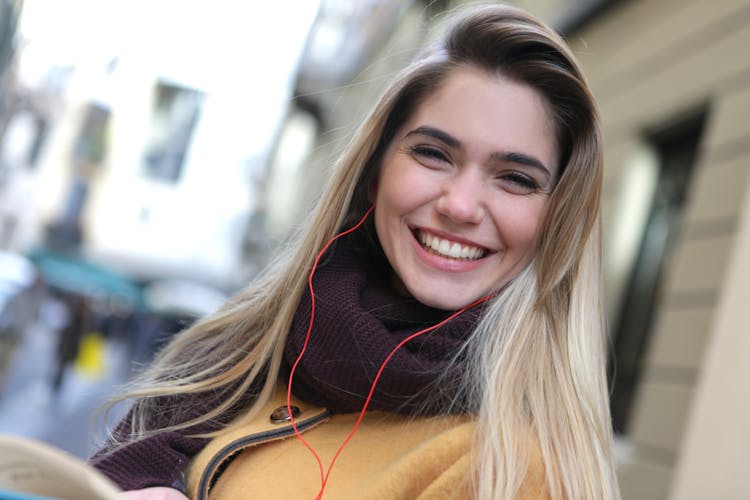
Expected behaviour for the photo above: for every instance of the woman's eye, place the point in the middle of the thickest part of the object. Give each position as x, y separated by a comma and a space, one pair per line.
519, 183
429, 153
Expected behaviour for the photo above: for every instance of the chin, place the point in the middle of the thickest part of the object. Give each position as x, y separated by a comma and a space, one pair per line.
444, 301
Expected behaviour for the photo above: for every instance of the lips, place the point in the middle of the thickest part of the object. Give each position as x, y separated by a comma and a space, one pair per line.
448, 248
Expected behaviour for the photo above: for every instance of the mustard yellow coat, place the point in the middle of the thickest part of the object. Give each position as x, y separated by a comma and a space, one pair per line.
389, 457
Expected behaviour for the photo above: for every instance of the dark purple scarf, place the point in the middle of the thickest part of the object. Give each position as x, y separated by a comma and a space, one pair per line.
359, 319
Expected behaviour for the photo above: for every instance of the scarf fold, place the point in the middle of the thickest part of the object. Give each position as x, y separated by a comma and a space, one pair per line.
359, 320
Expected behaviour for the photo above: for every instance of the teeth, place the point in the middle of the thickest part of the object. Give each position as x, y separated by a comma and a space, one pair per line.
444, 247
449, 248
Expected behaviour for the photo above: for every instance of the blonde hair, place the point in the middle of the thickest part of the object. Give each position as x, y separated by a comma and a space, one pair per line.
537, 358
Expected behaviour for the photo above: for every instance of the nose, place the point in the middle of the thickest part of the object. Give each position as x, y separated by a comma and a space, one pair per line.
461, 198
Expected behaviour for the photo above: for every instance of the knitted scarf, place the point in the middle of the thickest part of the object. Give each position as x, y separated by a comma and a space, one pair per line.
359, 319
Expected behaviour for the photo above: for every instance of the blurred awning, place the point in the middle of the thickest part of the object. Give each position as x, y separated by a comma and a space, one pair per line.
73, 274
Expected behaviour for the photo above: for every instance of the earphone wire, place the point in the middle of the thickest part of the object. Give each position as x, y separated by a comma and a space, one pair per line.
325, 476
307, 341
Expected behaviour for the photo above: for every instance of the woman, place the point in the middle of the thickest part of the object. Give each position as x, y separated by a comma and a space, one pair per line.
455, 344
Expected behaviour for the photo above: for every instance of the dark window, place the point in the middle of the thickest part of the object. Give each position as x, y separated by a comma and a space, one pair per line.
176, 111
676, 147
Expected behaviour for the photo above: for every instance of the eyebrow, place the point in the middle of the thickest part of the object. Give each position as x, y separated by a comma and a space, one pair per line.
511, 156
438, 134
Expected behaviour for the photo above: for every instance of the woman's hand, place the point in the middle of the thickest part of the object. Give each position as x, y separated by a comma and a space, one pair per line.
155, 493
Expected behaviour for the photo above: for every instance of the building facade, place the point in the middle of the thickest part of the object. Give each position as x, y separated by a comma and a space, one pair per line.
672, 78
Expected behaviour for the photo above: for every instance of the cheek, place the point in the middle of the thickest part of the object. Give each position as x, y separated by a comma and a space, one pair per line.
395, 187
521, 224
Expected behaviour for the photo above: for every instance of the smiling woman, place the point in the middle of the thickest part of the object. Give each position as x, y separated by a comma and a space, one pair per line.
463, 188
448, 346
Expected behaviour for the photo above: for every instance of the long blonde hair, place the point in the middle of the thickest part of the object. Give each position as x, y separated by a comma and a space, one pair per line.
537, 357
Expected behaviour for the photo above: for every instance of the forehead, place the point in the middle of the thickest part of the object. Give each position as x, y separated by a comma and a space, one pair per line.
490, 112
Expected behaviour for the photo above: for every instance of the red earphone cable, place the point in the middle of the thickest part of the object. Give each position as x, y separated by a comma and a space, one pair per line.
324, 477
307, 340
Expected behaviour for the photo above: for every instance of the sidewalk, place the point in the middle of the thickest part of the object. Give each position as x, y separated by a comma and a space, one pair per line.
68, 419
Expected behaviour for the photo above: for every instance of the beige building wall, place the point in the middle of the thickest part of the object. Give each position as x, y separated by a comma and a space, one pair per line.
650, 63
715, 460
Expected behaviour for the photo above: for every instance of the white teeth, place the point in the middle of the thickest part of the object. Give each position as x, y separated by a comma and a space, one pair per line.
455, 251
449, 248
444, 247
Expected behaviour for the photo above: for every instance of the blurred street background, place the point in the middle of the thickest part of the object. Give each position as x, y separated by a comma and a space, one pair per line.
154, 154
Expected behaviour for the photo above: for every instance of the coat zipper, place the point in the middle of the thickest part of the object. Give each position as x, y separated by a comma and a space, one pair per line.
209, 476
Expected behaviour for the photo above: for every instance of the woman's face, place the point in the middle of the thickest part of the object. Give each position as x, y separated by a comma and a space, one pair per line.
464, 186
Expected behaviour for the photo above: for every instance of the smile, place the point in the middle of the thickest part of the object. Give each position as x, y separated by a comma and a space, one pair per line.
448, 248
